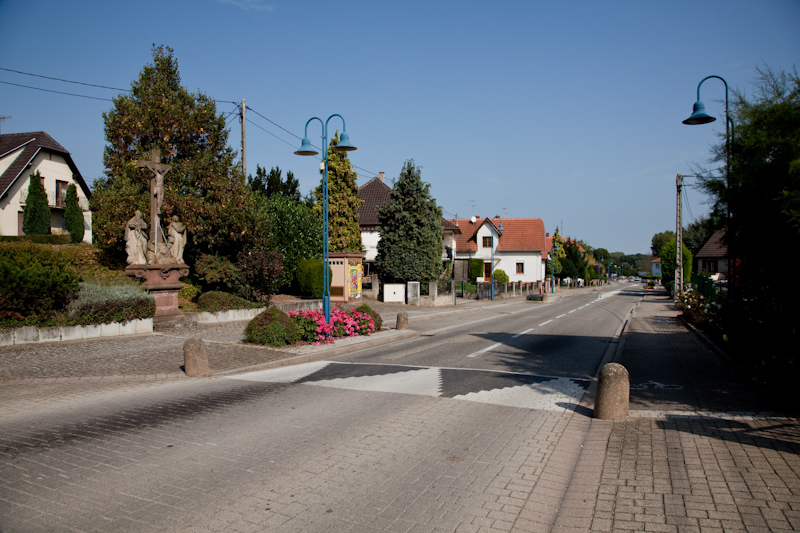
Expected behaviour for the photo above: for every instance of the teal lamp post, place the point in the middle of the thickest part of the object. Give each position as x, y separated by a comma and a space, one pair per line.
500, 228
699, 116
306, 149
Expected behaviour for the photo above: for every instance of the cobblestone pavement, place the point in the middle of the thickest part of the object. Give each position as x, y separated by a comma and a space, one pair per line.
700, 450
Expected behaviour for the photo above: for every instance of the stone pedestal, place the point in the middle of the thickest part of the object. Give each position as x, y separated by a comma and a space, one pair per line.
162, 281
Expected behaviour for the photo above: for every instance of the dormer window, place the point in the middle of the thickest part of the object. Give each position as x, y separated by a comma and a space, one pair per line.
487, 242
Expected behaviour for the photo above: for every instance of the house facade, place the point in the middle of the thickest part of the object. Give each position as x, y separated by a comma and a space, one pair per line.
515, 245
712, 258
655, 267
22, 155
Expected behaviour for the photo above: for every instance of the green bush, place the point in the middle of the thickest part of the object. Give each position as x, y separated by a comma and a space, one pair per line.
500, 276
475, 270
309, 277
217, 273
272, 327
261, 272
35, 289
216, 301
36, 213
376, 317
103, 304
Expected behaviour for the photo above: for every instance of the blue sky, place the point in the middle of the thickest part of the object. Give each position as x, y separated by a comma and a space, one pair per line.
569, 111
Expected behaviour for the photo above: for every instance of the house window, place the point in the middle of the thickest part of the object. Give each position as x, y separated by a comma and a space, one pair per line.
61, 193
487, 242
520, 268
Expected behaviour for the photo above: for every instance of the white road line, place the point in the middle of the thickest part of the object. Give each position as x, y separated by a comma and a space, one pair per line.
543, 323
572, 311
559, 316
492, 347
521, 334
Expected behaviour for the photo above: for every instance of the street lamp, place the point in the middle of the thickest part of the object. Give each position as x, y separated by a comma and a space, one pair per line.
491, 277
699, 116
306, 149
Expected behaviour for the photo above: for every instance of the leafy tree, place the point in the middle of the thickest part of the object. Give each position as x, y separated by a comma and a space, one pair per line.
573, 264
557, 253
73, 216
36, 213
410, 248
272, 184
659, 240
204, 187
344, 234
669, 258
603, 257
764, 201
300, 235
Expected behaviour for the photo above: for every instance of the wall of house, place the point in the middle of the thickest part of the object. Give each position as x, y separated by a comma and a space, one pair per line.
53, 168
507, 261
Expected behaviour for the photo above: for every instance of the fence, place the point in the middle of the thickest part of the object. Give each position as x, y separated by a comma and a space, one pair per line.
710, 289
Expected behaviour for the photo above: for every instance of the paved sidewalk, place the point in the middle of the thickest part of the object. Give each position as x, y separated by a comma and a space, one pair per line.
700, 451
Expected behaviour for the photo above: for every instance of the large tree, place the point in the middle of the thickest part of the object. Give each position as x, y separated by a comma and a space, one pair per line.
204, 187
410, 247
659, 240
270, 184
669, 259
36, 213
73, 215
764, 202
344, 233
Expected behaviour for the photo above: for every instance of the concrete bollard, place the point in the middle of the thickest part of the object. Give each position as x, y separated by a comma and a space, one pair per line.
613, 393
195, 358
402, 321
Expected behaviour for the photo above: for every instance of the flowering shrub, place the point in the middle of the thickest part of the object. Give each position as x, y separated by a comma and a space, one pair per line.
314, 329
699, 310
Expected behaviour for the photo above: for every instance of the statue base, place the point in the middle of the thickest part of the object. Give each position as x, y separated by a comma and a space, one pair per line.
162, 281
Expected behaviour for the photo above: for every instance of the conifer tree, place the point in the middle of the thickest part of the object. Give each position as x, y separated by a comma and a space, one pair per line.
36, 213
344, 233
73, 216
410, 248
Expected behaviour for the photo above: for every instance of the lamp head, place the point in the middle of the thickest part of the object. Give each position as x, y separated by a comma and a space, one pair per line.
306, 148
699, 115
344, 144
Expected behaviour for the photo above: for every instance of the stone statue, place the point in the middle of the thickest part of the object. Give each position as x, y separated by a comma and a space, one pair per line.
176, 238
136, 240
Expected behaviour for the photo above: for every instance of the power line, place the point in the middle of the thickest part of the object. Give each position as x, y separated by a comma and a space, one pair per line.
57, 92
65, 81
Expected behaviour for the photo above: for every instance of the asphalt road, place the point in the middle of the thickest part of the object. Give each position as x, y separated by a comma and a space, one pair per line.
448, 430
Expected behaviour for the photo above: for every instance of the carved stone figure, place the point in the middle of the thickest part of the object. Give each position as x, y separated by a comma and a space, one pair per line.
136, 240
176, 238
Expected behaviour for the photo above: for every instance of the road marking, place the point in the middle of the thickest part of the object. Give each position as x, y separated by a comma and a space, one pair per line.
547, 322
521, 334
492, 347
559, 316
572, 311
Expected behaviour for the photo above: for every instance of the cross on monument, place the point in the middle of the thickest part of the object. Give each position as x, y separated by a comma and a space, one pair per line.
156, 192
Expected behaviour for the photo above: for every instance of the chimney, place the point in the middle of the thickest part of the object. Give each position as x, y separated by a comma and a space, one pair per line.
380, 175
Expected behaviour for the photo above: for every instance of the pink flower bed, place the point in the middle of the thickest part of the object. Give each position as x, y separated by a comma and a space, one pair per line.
316, 331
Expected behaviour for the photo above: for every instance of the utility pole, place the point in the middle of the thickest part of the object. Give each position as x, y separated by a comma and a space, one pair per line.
679, 238
244, 142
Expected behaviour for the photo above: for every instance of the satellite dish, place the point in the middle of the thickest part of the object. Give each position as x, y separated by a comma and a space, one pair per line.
473, 219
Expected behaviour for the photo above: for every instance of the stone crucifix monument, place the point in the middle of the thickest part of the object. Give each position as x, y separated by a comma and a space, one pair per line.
158, 260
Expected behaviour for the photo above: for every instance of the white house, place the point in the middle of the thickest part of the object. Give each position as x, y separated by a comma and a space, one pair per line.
516, 245
22, 155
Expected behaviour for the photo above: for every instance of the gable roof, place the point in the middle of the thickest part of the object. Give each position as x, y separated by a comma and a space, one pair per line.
714, 248
31, 144
518, 234
373, 193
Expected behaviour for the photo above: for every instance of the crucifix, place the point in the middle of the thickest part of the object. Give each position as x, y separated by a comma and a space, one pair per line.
156, 194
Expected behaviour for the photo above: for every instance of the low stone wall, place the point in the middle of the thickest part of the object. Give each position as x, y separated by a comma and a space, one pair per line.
32, 334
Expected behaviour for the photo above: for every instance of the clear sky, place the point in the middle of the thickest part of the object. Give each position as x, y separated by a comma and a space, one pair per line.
565, 110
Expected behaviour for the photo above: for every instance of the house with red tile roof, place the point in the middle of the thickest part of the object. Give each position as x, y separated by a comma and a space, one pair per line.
22, 155
516, 245
375, 193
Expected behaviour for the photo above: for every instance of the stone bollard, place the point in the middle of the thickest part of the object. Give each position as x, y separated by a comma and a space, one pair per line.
402, 321
613, 393
195, 358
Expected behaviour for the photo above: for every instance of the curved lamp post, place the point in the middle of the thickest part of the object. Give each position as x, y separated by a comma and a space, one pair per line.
699, 116
306, 149
552, 271
492, 260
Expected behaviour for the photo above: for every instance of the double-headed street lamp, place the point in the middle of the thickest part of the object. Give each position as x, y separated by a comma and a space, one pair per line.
306, 149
